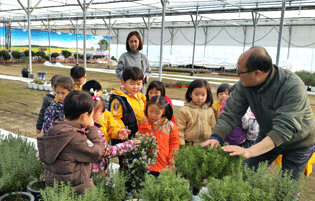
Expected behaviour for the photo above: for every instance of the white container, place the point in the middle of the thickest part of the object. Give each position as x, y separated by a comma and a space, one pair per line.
312, 89
31, 85
41, 87
46, 87
35, 86
49, 87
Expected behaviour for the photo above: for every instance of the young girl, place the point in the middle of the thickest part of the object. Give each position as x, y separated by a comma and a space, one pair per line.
222, 93
109, 126
156, 88
101, 166
46, 102
62, 88
195, 120
246, 132
159, 113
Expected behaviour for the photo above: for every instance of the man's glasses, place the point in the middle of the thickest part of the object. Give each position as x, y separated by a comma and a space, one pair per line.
240, 73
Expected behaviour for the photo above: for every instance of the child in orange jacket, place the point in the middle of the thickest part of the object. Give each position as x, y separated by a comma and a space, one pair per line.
158, 122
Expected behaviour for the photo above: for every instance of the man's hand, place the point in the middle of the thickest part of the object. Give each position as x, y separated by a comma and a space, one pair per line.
212, 143
237, 151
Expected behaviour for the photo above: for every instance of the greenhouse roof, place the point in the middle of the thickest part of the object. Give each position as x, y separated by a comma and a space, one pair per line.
64, 14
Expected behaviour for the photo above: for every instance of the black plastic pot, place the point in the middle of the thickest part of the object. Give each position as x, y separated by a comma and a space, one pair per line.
25, 72
24, 195
37, 195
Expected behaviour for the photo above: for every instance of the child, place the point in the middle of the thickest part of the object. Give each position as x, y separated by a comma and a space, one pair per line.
222, 93
127, 104
68, 150
158, 123
46, 102
196, 119
62, 88
78, 75
246, 132
156, 88
101, 166
109, 126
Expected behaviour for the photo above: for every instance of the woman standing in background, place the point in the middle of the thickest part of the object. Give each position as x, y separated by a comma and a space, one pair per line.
134, 58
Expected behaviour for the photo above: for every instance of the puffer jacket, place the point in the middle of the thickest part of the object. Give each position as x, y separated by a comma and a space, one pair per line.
136, 105
109, 126
68, 153
195, 124
166, 133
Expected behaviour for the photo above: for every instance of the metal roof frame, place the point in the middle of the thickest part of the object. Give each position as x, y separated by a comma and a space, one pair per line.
204, 11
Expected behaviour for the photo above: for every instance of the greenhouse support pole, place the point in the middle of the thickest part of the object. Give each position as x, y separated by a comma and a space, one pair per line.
84, 34
77, 41
49, 40
255, 21
245, 33
163, 2
29, 35
206, 38
76, 28
109, 28
289, 45
48, 29
194, 46
84, 9
148, 34
172, 39
117, 43
280, 31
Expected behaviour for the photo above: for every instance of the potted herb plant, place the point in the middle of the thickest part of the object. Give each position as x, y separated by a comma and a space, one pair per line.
47, 86
35, 83
167, 186
208, 162
38, 185
17, 161
41, 84
31, 85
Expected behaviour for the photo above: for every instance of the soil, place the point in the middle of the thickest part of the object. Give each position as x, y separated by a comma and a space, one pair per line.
19, 106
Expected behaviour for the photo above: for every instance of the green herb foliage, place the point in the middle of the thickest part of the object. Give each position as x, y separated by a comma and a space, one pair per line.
17, 158
251, 185
167, 186
138, 160
198, 163
113, 187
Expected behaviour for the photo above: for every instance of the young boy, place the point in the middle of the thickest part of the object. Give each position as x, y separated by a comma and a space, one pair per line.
68, 150
46, 102
78, 76
127, 104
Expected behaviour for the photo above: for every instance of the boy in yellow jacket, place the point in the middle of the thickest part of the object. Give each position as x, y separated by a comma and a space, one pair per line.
128, 104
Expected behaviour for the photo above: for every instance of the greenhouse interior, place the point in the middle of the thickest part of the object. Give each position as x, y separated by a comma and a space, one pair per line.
182, 41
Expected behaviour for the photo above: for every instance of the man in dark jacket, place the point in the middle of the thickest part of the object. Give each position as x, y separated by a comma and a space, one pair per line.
280, 103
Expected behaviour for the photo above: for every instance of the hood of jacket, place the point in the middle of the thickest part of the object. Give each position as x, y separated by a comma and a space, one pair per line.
51, 144
193, 105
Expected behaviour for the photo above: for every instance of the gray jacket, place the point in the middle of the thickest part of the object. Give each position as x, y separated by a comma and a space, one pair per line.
133, 59
280, 105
